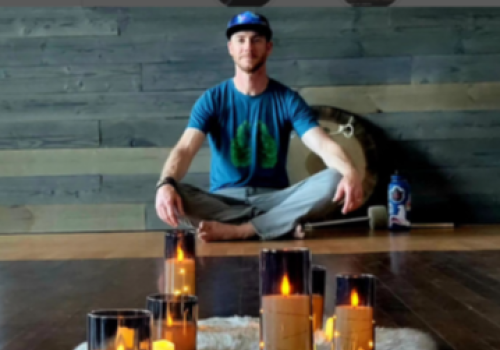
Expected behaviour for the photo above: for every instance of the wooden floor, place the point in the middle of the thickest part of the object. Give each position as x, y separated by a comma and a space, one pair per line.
150, 244
443, 282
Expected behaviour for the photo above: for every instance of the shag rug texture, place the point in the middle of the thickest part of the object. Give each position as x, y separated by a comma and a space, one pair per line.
242, 333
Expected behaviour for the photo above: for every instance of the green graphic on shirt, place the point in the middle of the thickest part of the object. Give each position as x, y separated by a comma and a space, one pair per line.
240, 146
241, 154
268, 151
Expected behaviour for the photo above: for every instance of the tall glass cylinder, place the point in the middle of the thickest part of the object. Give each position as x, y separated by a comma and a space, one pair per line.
318, 295
119, 330
354, 323
285, 300
175, 320
180, 254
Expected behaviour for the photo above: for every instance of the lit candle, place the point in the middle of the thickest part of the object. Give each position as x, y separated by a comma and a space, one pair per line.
174, 319
286, 310
179, 263
119, 329
354, 324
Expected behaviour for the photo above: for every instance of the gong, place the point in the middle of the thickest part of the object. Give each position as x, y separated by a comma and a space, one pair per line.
348, 131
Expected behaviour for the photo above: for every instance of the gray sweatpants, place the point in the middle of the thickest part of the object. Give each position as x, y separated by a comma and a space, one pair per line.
273, 212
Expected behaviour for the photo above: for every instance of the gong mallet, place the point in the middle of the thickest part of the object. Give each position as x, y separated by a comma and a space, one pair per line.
376, 217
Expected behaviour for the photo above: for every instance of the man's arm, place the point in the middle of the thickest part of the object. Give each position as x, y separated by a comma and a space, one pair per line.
182, 155
350, 188
199, 124
319, 142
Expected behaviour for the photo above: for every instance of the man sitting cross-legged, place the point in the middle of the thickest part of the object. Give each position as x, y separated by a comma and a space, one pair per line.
248, 120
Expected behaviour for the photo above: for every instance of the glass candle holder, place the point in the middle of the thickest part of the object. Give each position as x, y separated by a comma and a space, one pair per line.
175, 320
285, 299
318, 295
354, 323
180, 254
127, 329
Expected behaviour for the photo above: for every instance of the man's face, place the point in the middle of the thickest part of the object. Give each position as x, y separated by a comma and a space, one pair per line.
249, 50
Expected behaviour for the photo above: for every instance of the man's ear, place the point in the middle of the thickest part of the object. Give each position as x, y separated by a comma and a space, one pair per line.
270, 46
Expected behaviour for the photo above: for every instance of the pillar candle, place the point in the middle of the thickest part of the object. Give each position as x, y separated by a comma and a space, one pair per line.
354, 323
175, 319
354, 327
179, 276
179, 271
286, 306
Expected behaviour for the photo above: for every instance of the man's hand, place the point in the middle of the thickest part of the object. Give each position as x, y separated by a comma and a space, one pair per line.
350, 189
169, 205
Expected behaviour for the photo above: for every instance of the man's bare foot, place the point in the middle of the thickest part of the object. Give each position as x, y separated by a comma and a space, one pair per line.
217, 231
299, 232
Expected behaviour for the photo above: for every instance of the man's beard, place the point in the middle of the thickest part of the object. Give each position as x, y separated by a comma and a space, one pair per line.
255, 67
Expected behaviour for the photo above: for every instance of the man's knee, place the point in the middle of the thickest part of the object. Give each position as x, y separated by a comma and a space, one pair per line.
324, 186
325, 183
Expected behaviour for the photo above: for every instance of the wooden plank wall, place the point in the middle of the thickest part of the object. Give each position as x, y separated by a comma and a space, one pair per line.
92, 100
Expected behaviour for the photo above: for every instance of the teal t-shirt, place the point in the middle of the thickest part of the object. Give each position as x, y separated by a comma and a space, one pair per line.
249, 135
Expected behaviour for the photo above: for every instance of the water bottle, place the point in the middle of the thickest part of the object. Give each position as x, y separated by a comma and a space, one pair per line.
399, 198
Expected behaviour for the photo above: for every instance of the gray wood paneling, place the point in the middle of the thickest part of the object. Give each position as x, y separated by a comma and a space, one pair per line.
49, 134
455, 69
451, 181
285, 22
461, 209
450, 125
97, 161
162, 132
410, 41
140, 188
86, 189
94, 106
481, 41
469, 153
71, 218
358, 99
46, 12
70, 79
44, 190
432, 17
20, 27
160, 47
298, 73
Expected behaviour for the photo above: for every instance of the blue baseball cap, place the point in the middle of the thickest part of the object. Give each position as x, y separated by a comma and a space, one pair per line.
249, 21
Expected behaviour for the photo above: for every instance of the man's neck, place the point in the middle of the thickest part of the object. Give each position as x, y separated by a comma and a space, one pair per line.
251, 84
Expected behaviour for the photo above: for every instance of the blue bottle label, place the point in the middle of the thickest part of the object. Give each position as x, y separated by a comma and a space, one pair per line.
399, 205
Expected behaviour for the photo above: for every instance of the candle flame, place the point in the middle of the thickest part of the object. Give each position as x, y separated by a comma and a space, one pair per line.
180, 253
163, 345
354, 298
121, 347
370, 344
169, 320
329, 328
285, 286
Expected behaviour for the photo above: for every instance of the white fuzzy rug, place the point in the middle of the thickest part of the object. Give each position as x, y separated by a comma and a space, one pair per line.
242, 333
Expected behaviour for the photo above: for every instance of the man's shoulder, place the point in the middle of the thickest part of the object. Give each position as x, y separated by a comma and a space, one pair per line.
282, 89
219, 89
